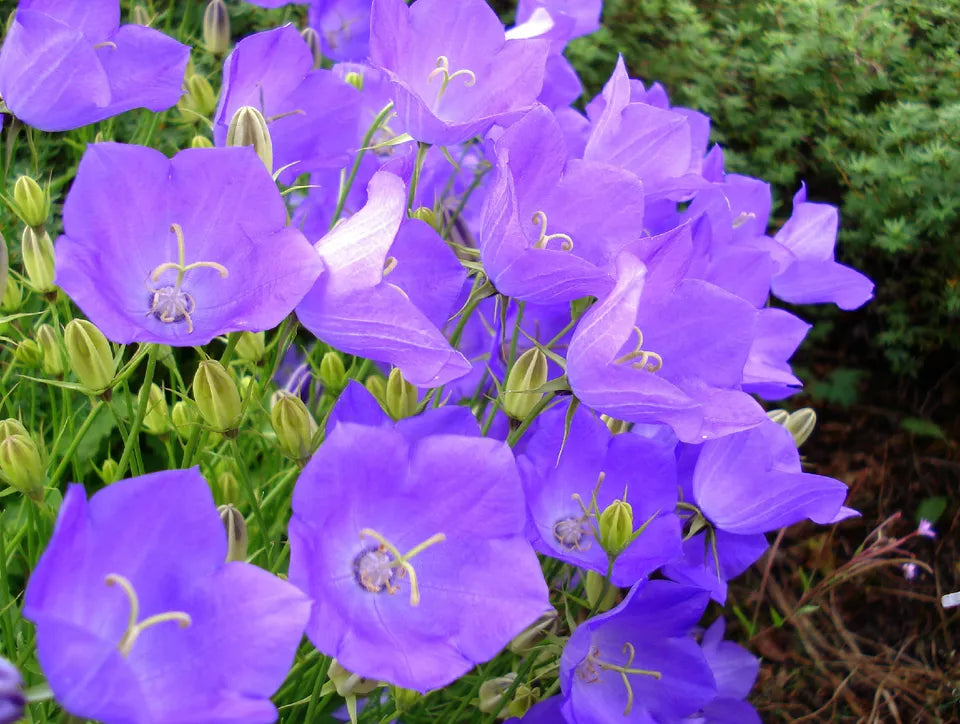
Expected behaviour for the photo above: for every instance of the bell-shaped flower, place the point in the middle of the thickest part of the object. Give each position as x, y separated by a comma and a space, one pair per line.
140, 618
68, 63
638, 662
454, 73
359, 308
734, 669
312, 115
178, 251
412, 548
572, 474
551, 227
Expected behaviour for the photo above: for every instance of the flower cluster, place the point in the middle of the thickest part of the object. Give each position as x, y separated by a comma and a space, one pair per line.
536, 344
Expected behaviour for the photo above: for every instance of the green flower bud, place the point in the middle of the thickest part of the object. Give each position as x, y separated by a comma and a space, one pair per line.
404, 699
332, 372
28, 353
228, 487
140, 16
614, 425
109, 471
801, 423
201, 142
312, 39
525, 641
21, 465
50, 348
249, 128
491, 693
616, 527
593, 584
251, 346
31, 202
185, 417
355, 79
216, 27
427, 215
88, 352
528, 373
348, 684
294, 425
156, 420
38, 259
4, 269
377, 387
200, 95
12, 296
400, 397
12, 426
237, 540
217, 397
779, 416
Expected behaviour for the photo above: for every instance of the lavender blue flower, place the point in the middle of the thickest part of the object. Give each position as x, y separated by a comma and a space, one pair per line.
734, 670
12, 698
177, 251
140, 619
411, 544
343, 26
67, 63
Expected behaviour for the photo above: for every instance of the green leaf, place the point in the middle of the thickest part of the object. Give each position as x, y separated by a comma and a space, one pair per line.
931, 508
922, 428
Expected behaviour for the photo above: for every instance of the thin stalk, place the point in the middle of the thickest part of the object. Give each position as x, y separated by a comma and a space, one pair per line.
132, 437
75, 442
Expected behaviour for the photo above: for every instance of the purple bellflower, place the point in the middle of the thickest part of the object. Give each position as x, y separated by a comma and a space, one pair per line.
141, 619
734, 670
638, 662
68, 63
12, 697
178, 251
412, 547
581, 17
311, 114
454, 73
343, 26
551, 227
567, 490
357, 307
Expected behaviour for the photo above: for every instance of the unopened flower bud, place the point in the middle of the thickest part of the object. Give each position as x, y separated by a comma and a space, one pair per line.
38, 259
200, 95
216, 27
140, 16
312, 38
349, 684
12, 296
156, 420
616, 527
217, 397
11, 426
333, 374
593, 584
249, 128
294, 425
228, 487
526, 640
251, 346
404, 699
237, 539
801, 423
50, 348
21, 465
89, 354
528, 373
377, 387
31, 202
185, 418
400, 397
427, 215
491, 695
614, 425
109, 471
355, 79
201, 142
28, 353
779, 416
13, 700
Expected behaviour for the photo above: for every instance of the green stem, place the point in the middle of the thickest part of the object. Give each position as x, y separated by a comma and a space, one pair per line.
75, 443
132, 436
251, 493
468, 309
528, 420
368, 137
415, 178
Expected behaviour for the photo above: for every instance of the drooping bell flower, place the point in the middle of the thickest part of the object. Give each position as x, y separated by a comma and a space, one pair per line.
454, 73
638, 662
141, 619
551, 227
573, 475
311, 114
178, 251
412, 548
358, 308
68, 63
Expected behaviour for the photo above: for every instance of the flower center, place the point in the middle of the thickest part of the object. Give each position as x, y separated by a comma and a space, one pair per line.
170, 303
382, 567
588, 670
135, 627
540, 218
574, 534
645, 359
442, 71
